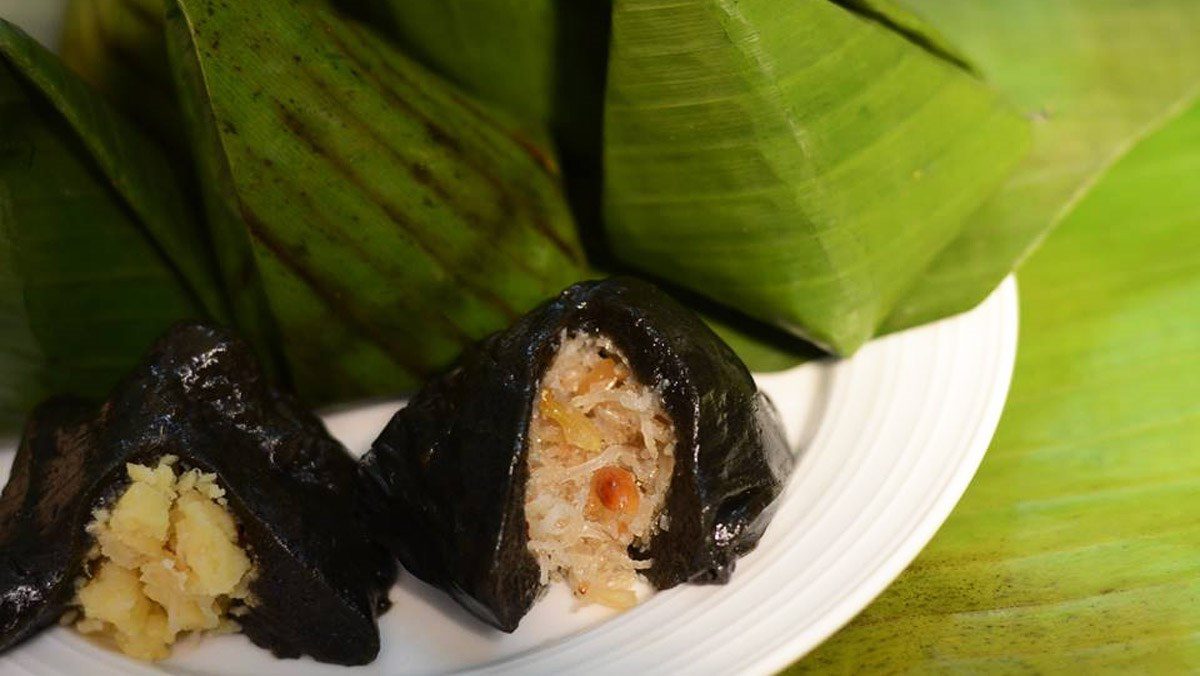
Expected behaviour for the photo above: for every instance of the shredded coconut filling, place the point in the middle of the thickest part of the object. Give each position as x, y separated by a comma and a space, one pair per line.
601, 454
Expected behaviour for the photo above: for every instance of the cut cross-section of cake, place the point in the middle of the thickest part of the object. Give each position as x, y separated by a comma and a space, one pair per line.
197, 498
606, 438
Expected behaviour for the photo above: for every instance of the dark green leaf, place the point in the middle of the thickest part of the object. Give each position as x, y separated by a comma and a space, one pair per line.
543, 60
390, 220
118, 47
83, 290
139, 171
465, 39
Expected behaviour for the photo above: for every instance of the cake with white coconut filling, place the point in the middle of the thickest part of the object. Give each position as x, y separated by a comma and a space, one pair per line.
601, 454
607, 436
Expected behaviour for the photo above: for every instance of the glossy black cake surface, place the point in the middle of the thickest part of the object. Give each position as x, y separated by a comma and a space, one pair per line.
446, 479
199, 395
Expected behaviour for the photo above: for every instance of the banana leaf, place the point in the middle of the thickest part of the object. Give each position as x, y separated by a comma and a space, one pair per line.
542, 60
1095, 76
797, 161
118, 47
1075, 549
905, 22
135, 166
449, 37
382, 219
98, 251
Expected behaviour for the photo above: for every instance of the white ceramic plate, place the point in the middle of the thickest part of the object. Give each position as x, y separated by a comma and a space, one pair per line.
887, 443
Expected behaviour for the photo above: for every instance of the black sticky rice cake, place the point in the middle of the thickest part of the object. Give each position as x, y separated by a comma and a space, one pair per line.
446, 481
200, 396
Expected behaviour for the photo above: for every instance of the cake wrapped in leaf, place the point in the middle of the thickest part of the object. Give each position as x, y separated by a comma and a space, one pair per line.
196, 498
607, 437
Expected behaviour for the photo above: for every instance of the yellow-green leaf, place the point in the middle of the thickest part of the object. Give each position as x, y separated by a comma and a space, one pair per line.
1075, 548
87, 231
1094, 76
899, 18
797, 161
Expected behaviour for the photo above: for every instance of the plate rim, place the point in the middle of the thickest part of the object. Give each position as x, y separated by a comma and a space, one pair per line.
935, 516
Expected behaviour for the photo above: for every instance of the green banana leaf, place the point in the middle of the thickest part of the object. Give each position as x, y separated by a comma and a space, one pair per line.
1094, 76
1075, 548
797, 161
382, 219
138, 170
448, 37
542, 60
98, 253
1086, 113
118, 47
905, 22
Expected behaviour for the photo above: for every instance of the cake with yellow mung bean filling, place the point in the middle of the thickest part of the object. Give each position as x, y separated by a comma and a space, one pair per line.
196, 499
